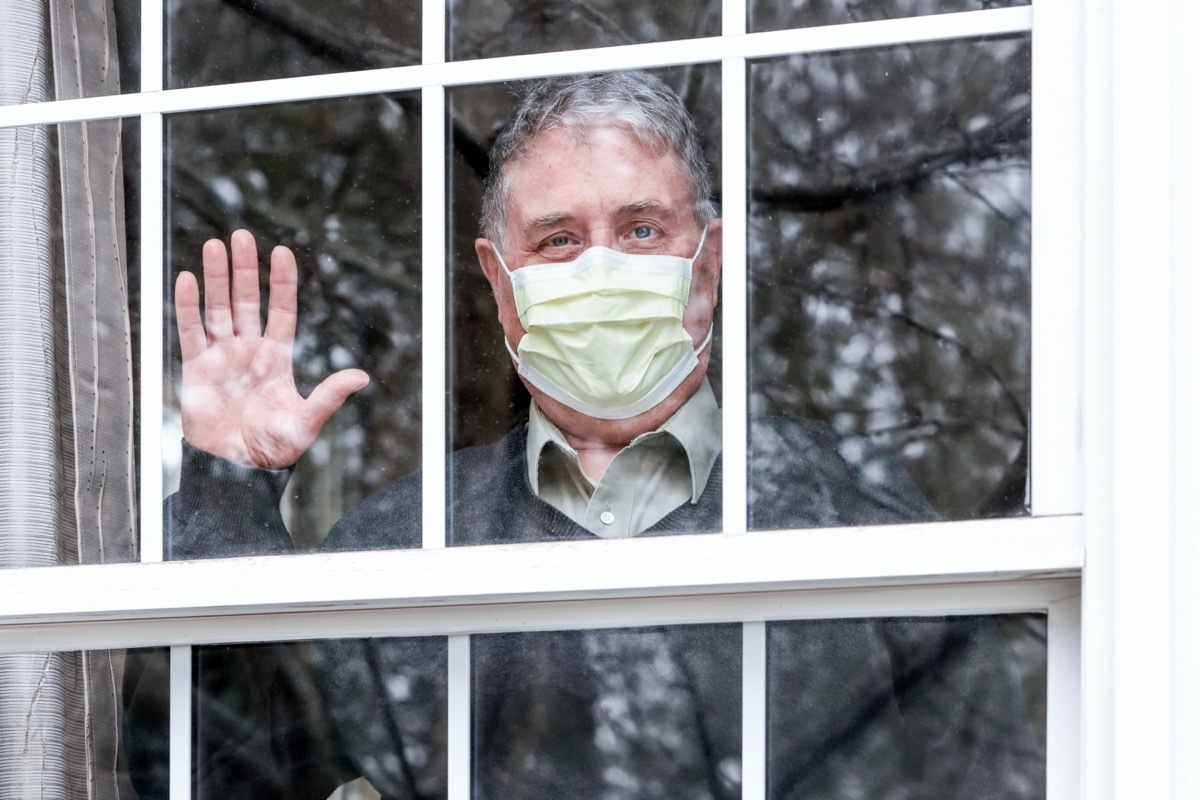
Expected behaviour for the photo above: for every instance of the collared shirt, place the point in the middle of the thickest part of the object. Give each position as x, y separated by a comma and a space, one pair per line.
652, 476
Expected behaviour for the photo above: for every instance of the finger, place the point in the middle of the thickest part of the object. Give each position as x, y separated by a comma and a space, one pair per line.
192, 341
281, 303
331, 393
216, 290
246, 310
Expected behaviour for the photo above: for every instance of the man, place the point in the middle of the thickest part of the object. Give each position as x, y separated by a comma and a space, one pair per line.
604, 255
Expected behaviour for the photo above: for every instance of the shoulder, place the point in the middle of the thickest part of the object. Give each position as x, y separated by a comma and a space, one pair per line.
805, 473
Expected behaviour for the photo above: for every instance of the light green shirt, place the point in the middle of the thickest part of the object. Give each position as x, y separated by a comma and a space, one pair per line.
652, 476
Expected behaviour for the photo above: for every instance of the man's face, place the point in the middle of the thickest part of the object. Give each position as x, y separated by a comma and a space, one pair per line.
569, 193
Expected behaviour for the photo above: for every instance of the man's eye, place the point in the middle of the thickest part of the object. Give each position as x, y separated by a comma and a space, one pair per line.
558, 241
643, 232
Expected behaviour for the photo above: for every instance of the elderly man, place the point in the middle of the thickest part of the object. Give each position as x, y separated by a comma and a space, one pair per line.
604, 256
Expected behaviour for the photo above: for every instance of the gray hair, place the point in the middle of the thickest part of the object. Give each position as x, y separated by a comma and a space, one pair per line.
636, 101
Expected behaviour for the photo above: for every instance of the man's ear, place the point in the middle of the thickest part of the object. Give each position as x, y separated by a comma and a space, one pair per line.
488, 262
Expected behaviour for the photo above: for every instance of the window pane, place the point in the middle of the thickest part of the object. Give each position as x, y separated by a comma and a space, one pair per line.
916, 707
303, 718
339, 182
76, 719
489, 404
286, 38
636, 713
890, 297
766, 15
68, 400
491, 28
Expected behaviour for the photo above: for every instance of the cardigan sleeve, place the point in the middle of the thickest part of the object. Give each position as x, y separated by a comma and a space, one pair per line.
223, 509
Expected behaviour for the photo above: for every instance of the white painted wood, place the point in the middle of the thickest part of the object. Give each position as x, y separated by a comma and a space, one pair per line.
1064, 716
180, 726
764, 560
1185, 338
150, 399
937, 27
1142, 388
734, 283
1056, 439
151, 63
458, 718
433, 316
1098, 607
762, 606
754, 710
733, 17
433, 31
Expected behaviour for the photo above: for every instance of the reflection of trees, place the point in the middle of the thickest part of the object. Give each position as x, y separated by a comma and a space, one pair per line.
768, 15
890, 257
339, 181
905, 708
620, 714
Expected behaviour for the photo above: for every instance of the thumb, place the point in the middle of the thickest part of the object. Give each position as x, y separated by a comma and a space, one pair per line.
332, 392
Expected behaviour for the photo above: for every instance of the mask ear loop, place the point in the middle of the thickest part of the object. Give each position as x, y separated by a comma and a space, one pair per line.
500, 258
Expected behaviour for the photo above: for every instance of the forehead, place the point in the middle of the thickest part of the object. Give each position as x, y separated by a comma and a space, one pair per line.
593, 171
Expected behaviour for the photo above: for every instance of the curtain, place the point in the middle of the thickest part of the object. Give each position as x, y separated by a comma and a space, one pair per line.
67, 480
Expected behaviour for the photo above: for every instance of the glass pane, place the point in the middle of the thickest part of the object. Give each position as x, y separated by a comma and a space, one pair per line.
78, 719
890, 265
619, 714
300, 719
489, 404
339, 183
68, 400
491, 28
766, 15
286, 38
908, 707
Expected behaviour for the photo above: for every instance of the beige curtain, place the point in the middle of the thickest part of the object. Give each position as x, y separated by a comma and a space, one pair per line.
67, 481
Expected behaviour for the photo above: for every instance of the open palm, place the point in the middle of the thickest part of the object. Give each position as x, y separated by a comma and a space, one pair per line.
239, 397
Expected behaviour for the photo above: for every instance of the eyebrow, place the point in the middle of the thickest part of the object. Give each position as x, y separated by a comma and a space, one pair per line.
547, 221
642, 207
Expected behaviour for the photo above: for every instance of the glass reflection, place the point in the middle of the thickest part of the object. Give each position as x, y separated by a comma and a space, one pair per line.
302, 719
488, 400
890, 256
621, 714
491, 28
65, 724
917, 707
339, 183
286, 38
766, 15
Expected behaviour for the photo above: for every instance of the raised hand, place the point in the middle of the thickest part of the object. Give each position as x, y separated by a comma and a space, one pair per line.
239, 395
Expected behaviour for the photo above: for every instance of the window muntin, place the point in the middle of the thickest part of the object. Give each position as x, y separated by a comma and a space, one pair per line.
286, 39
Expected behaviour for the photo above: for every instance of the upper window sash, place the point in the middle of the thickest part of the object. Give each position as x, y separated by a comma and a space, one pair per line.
994, 22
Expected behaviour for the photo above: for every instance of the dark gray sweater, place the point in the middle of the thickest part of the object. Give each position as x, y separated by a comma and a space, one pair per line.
906, 709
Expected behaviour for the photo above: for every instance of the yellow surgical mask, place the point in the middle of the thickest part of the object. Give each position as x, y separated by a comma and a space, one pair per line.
604, 333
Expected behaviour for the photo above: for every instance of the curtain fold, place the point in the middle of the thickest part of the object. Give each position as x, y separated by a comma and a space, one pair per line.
67, 479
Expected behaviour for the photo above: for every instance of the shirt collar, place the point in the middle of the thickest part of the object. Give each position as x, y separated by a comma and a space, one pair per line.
696, 426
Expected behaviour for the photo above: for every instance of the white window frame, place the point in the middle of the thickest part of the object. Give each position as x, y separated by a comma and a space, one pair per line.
1106, 562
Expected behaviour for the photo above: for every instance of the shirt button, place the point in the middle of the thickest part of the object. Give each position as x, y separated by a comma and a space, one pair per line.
607, 517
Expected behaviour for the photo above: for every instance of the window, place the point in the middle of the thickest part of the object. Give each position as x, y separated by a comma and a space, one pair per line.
956, 311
